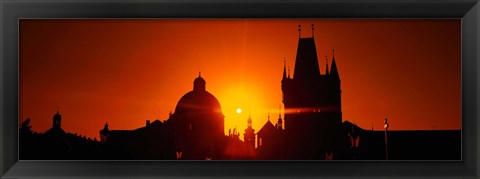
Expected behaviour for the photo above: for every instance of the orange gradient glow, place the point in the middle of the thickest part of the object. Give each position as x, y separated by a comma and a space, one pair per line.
125, 72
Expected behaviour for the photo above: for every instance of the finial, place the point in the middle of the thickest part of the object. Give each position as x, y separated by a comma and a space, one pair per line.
199, 74
313, 31
284, 61
333, 52
299, 29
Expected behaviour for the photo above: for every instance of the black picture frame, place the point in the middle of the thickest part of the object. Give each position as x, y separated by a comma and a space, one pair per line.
12, 11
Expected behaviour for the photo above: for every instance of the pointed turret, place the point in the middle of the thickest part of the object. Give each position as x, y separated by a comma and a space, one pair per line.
326, 67
284, 68
334, 71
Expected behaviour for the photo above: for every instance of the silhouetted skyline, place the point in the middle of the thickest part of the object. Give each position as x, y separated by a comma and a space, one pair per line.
313, 128
127, 71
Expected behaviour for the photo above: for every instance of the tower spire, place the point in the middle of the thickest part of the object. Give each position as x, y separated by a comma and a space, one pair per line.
333, 69
284, 68
313, 31
279, 121
326, 59
306, 61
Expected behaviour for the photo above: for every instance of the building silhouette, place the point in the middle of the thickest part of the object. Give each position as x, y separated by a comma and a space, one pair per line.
313, 102
198, 124
193, 132
271, 142
55, 143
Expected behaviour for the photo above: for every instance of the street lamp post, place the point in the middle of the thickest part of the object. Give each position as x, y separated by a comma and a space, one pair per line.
386, 138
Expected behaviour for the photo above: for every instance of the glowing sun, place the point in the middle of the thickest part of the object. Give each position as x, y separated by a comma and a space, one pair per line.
239, 110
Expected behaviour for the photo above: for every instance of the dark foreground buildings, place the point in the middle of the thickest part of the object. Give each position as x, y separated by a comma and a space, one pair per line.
312, 129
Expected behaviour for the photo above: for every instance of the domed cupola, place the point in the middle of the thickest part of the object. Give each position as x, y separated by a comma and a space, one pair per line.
199, 83
57, 120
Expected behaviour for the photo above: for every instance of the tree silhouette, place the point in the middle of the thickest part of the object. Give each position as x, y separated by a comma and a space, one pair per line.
25, 127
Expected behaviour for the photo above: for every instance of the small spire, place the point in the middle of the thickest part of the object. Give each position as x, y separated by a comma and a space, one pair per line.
279, 121
288, 72
326, 59
299, 29
333, 67
279, 111
199, 74
284, 66
313, 31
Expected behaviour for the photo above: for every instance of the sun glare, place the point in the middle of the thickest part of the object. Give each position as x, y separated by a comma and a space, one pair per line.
241, 100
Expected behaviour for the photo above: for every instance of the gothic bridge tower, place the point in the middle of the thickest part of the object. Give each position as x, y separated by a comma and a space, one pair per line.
312, 101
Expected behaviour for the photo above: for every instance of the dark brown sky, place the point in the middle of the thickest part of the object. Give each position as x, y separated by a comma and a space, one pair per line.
127, 71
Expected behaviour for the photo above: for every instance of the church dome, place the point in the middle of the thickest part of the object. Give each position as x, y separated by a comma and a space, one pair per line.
198, 100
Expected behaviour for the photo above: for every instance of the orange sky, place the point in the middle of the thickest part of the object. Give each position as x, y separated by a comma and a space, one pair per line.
127, 71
